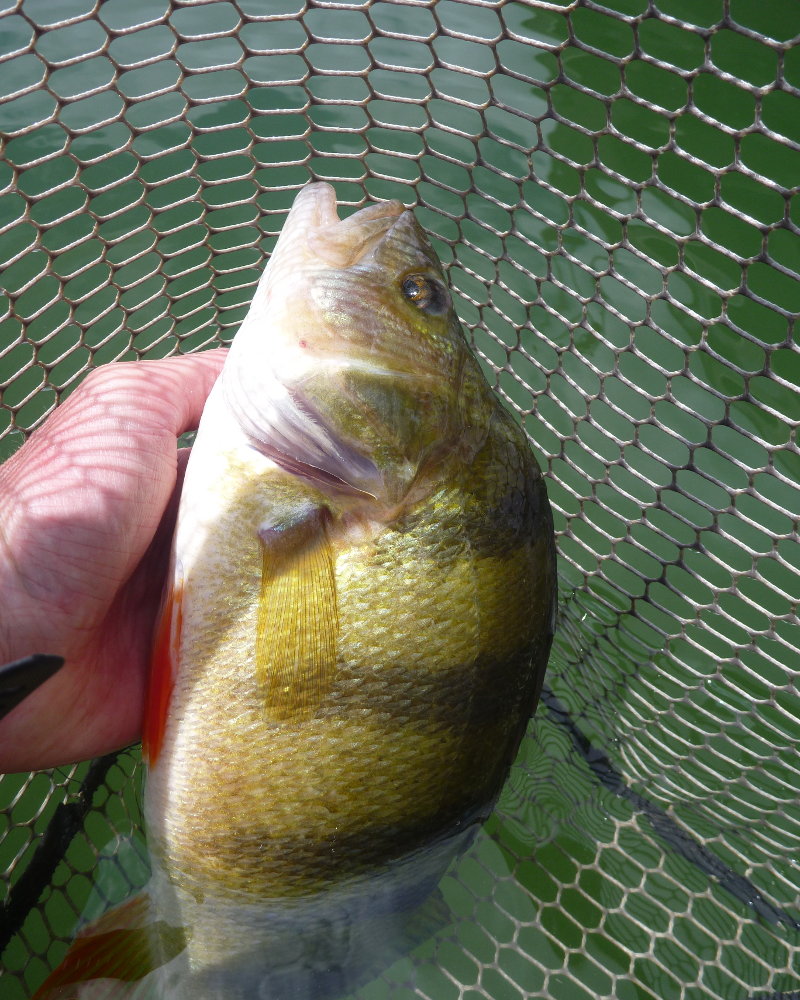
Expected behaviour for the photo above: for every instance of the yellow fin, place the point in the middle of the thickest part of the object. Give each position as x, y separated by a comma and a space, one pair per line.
297, 617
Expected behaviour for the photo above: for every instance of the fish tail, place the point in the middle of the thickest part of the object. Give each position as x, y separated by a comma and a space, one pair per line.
115, 953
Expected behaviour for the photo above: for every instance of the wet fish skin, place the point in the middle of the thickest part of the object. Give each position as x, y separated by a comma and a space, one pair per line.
359, 621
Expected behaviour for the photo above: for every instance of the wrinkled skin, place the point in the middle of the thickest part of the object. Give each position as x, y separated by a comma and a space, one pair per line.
87, 509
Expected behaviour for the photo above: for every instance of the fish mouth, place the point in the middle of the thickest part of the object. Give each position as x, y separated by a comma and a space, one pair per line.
339, 243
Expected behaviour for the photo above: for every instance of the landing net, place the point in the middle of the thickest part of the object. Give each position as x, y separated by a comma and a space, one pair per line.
613, 189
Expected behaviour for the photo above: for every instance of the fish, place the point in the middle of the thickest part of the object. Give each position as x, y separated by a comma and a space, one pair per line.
358, 621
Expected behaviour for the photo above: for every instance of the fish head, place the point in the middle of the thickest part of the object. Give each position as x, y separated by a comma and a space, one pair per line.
351, 367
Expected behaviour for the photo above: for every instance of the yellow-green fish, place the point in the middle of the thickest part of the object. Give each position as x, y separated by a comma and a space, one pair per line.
355, 636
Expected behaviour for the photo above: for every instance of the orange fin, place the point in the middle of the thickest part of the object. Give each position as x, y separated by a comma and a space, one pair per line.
297, 617
122, 947
163, 668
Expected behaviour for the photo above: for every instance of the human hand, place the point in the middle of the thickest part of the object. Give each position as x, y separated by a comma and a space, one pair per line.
87, 510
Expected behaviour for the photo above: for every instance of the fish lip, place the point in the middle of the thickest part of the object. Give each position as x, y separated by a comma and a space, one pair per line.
322, 203
340, 243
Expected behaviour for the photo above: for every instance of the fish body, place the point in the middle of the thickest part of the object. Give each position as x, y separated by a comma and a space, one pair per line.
357, 628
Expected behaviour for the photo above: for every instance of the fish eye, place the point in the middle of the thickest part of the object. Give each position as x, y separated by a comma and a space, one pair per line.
426, 294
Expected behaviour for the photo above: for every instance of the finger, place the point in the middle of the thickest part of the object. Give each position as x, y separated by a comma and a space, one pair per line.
175, 390
83, 497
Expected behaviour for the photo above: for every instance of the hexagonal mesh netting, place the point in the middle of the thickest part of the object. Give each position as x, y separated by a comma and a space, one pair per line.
613, 188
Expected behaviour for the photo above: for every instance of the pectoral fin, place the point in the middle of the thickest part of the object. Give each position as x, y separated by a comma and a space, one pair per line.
297, 616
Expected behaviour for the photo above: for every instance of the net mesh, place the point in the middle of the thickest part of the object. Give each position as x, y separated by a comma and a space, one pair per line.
613, 189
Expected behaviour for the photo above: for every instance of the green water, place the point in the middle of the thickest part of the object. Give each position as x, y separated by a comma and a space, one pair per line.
622, 242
